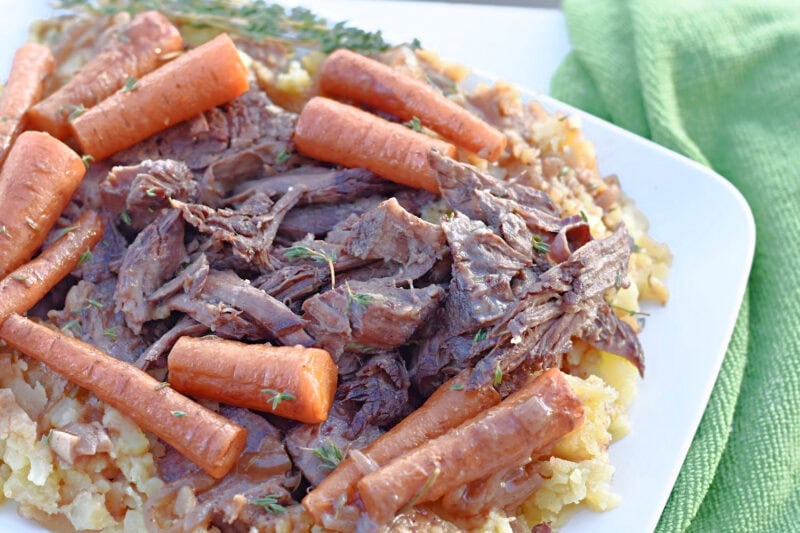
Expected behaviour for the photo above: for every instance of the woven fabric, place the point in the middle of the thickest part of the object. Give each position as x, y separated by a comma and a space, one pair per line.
719, 81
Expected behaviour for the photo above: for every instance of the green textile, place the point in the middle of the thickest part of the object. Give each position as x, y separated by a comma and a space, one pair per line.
719, 81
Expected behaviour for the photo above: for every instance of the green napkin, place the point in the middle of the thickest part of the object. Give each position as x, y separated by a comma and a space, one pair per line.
719, 81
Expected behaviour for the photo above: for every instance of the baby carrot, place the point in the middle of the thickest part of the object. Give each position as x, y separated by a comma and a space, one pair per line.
36, 183
351, 75
28, 284
506, 435
290, 381
447, 407
132, 54
206, 438
205, 77
337, 133
31, 64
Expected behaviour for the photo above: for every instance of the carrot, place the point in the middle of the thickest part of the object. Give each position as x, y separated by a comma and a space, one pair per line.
290, 381
28, 284
131, 54
36, 183
206, 438
526, 422
446, 408
330, 131
351, 75
205, 77
32, 63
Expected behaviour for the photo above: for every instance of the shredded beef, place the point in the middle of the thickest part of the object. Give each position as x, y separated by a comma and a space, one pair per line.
151, 259
89, 315
609, 333
367, 317
318, 220
106, 257
143, 190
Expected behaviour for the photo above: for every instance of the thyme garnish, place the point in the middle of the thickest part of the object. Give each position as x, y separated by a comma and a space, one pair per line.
85, 256
72, 325
480, 335
32, 224
130, 84
125, 217
498, 375
282, 157
270, 504
179, 414
276, 397
457, 386
414, 124
540, 246
87, 160
583, 216
111, 333
329, 454
74, 110
320, 256
629, 312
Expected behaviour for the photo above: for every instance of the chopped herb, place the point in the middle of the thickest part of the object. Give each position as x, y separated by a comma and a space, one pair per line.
618, 280
320, 256
329, 454
72, 325
479, 336
64, 231
498, 375
85, 256
256, 20
74, 110
95, 303
424, 489
636, 248
277, 397
123, 37
46, 436
4, 118
564, 171
4, 231
162, 385
151, 192
629, 312
125, 217
583, 216
130, 84
87, 160
540, 246
111, 333
414, 124
179, 414
31, 224
457, 386
282, 157
270, 504
415, 44
358, 298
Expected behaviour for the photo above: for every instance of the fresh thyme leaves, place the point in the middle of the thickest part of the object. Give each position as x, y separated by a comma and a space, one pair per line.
161, 385
87, 160
270, 504
85, 256
415, 44
95, 303
320, 256
629, 312
72, 325
583, 216
564, 171
130, 84
276, 397
457, 386
329, 454
179, 414
282, 157
414, 124
255, 19
74, 110
424, 489
122, 36
359, 298
498, 375
125, 217
540, 246
150, 192
480, 335
111, 333
31, 224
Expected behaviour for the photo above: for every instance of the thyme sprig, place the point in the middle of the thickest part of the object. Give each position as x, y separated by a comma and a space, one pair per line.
276, 397
255, 19
330, 454
270, 504
320, 256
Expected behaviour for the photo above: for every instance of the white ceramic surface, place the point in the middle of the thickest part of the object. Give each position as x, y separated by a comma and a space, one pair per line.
690, 207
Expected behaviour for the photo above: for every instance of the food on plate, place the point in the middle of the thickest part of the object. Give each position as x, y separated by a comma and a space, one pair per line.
292, 277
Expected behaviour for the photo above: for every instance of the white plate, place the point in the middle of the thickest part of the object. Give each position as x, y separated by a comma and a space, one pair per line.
704, 219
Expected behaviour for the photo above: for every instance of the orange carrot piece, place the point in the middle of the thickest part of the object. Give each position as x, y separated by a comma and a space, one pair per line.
337, 133
290, 381
445, 409
205, 77
133, 53
32, 63
526, 422
28, 284
36, 183
351, 75
206, 438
